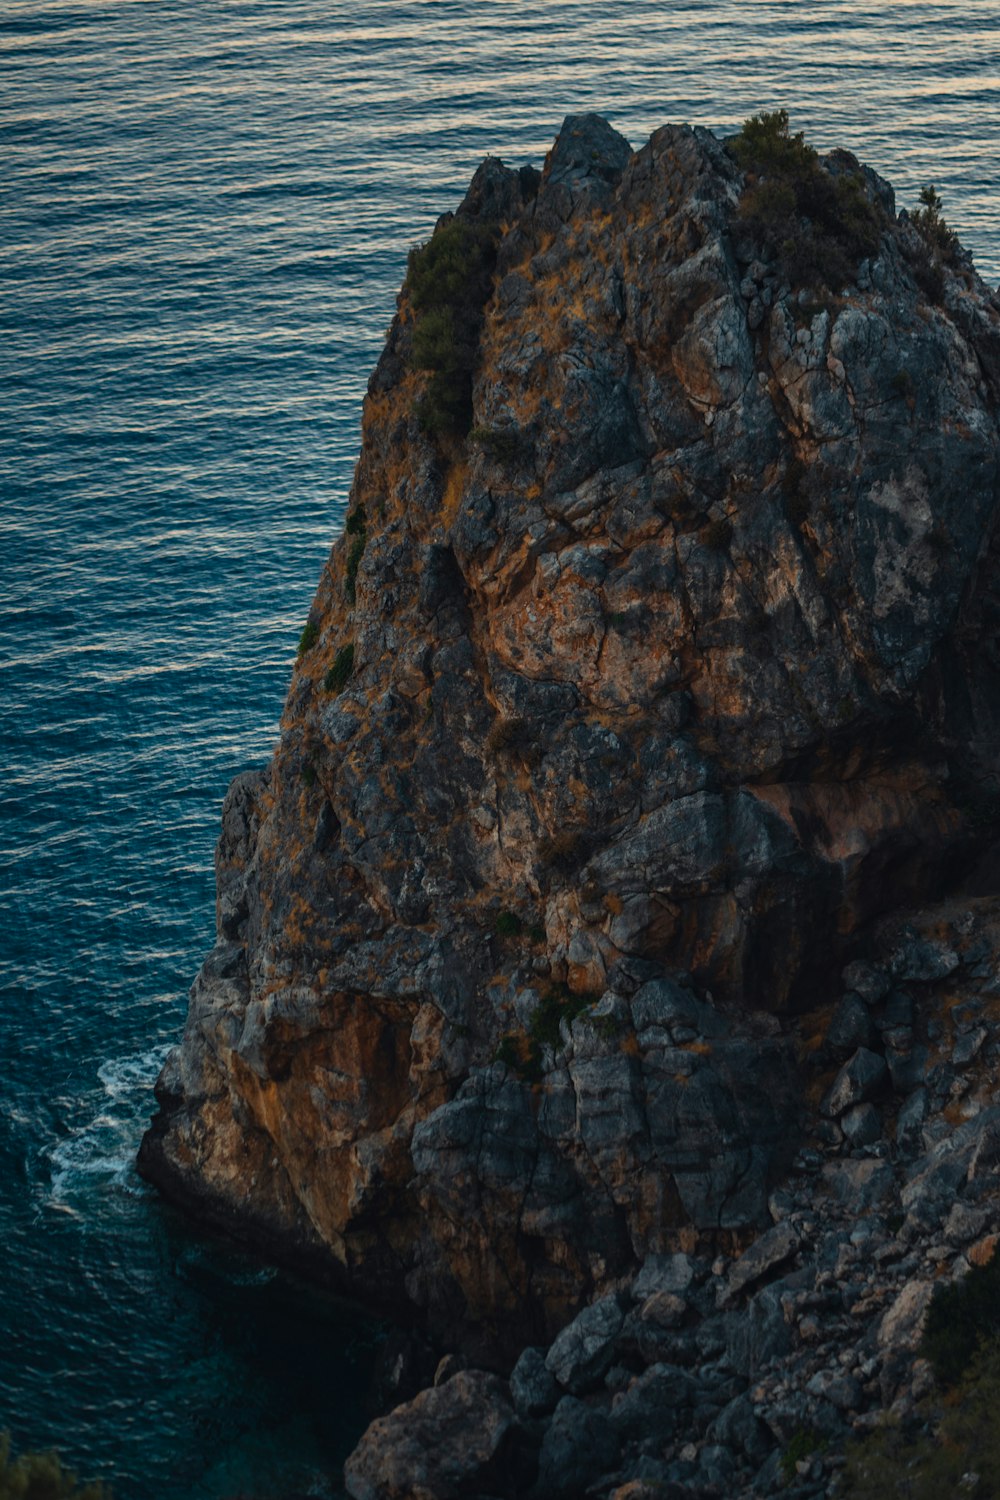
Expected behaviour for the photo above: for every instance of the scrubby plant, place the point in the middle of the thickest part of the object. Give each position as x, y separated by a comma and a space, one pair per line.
508, 924
961, 1315
930, 222
938, 245
817, 224
356, 528
341, 670
523, 1051
804, 1443
41, 1476
355, 553
895, 1464
556, 1005
449, 280
309, 637
500, 443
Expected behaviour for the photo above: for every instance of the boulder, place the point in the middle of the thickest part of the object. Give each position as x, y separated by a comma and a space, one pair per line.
449, 1442
532, 1385
579, 1446
860, 1079
584, 1349
903, 1322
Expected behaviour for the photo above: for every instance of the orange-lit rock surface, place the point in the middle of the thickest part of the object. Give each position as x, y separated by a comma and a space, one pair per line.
670, 676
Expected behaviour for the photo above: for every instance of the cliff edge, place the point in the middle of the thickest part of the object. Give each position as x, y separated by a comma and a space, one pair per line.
654, 669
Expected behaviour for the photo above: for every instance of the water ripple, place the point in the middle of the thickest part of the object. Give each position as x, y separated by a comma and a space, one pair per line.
204, 219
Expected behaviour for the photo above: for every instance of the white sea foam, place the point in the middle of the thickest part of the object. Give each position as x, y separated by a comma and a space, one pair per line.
101, 1154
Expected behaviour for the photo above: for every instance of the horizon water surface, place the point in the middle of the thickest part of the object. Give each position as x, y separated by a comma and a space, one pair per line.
203, 226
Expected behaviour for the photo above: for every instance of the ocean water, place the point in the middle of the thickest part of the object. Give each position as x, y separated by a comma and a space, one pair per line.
204, 217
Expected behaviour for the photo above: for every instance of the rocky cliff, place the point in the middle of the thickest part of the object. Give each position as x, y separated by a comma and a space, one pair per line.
654, 669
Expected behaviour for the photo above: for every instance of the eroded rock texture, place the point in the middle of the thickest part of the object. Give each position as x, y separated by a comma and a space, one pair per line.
616, 722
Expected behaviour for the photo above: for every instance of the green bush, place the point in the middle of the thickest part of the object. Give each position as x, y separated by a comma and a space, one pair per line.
500, 443
449, 281
929, 221
356, 528
939, 246
804, 1443
555, 1007
523, 1051
41, 1476
355, 553
343, 666
309, 637
818, 225
894, 1464
961, 1315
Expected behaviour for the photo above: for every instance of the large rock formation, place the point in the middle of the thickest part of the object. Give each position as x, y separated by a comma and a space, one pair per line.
654, 665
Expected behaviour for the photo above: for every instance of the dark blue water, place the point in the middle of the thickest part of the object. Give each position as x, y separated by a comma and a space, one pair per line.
204, 217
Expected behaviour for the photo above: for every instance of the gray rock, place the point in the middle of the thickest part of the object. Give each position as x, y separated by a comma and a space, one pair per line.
965, 1223
645, 561
968, 1047
902, 1324
775, 1246
898, 1011
665, 1309
669, 1008
907, 1067
923, 959
578, 1447
653, 1405
861, 1125
532, 1385
909, 1121
739, 1428
860, 1079
448, 1442
759, 1333
860, 1185
837, 1387
664, 1273
715, 1465
867, 980
850, 1026
582, 1353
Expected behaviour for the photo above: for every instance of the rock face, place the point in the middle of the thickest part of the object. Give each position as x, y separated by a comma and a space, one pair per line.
747, 1375
630, 698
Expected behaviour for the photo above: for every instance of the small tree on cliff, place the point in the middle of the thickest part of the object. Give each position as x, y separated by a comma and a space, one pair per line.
817, 225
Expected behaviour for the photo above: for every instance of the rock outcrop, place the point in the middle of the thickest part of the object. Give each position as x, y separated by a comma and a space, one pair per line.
654, 667
747, 1374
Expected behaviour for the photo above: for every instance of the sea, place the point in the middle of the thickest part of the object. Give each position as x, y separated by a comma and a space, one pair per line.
205, 212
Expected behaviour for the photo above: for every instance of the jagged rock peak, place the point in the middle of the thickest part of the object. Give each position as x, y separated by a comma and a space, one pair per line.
654, 664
